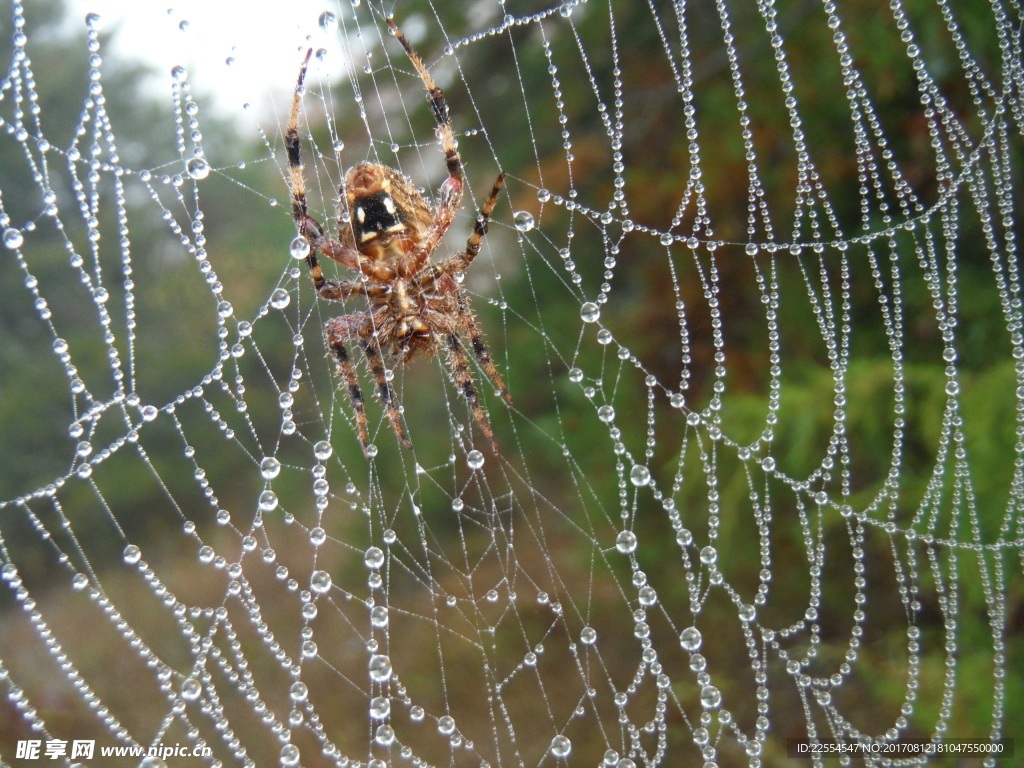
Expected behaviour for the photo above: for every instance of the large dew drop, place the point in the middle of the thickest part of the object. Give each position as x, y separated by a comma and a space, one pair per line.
561, 746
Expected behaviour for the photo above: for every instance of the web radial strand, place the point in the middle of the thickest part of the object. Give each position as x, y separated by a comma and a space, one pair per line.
753, 287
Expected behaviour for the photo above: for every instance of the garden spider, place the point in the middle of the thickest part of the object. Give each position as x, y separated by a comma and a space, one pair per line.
415, 306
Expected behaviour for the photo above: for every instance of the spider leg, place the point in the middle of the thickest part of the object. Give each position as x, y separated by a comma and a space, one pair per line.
450, 194
464, 379
338, 330
309, 227
468, 321
461, 261
387, 394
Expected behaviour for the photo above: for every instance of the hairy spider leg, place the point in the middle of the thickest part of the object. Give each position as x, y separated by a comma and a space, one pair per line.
464, 380
309, 227
468, 321
348, 372
461, 261
387, 394
450, 194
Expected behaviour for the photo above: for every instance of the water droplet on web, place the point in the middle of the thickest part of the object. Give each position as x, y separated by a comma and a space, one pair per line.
710, 698
380, 668
747, 613
280, 298
588, 636
690, 639
197, 168
84, 448
561, 746
92, 20
446, 725
317, 536
149, 413
13, 238
575, 375
379, 616
523, 221
339, 145
131, 554
606, 413
270, 468
320, 582
299, 247
417, 713
380, 708
191, 689
328, 21
475, 459
625, 542
373, 557
639, 475
268, 501
323, 450
289, 755
543, 195
590, 312
709, 555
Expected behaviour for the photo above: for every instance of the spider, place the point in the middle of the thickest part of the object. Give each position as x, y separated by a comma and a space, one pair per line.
415, 306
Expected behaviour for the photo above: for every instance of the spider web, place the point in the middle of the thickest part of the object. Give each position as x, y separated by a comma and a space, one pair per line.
753, 283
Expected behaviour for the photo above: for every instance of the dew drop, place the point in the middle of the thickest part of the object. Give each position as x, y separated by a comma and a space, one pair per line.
131, 554
561, 746
475, 459
380, 708
268, 501
323, 450
625, 542
191, 689
280, 298
709, 555
374, 558
588, 636
543, 195
299, 247
328, 21
690, 639
320, 582
339, 145
380, 668
379, 616
270, 468
523, 221
13, 238
446, 725
575, 375
710, 697
289, 755
416, 714
590, 312
639, 475
197, 168
606, 414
